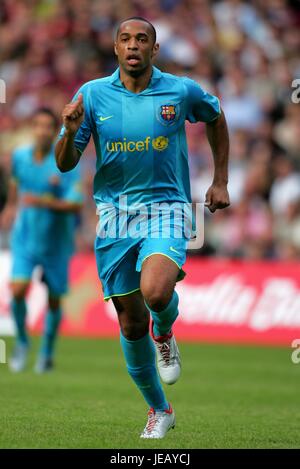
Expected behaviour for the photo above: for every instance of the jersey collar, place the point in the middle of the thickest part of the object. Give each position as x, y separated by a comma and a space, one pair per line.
156, 75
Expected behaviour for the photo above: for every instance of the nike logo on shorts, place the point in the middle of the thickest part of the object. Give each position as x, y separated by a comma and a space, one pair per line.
105, 118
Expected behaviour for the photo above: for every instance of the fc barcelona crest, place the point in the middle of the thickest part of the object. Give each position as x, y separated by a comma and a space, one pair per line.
168, 113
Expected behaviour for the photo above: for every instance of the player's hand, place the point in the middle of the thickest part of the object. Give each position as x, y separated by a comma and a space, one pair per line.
217, 197
7, 217
31, 200
73, 115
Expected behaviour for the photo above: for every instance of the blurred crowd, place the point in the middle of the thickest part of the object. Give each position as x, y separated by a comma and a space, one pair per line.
245, 52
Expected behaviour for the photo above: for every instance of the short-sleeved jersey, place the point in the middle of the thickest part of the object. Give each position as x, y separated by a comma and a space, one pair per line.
140, 139
40, 231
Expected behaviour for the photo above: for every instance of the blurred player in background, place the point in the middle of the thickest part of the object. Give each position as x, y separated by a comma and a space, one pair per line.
137, 117
43, 233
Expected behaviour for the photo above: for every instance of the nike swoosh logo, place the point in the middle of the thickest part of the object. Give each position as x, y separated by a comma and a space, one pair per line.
105, 118
174, 250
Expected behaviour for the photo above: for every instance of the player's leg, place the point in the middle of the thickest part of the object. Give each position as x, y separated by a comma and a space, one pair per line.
116, 262
51, 327
139, 355
159, 274
19, 310
138, 348
18, 307
22, 268
55, 276
158, 279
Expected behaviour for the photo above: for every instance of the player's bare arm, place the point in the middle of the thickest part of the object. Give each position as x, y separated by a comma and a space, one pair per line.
67, 156
51, 203
217, 196
3, 189
9, 211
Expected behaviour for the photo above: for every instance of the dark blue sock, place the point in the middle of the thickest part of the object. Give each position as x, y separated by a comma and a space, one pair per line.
140, 360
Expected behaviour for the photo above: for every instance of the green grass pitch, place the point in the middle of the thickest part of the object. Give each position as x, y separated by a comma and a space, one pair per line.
227, 397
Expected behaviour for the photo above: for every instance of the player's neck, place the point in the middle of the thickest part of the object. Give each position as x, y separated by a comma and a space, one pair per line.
40, 153
136, 84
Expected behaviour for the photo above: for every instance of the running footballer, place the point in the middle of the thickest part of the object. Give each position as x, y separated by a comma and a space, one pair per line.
42, 235
137, 118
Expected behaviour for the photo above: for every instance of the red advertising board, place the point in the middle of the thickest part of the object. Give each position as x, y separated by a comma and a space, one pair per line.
220, 301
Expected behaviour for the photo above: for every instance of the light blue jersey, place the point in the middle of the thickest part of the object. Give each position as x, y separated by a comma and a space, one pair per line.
140, 138
142, 157
38, 232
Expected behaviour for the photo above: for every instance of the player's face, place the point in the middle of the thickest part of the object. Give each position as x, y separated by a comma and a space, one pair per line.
134, 47
44, 130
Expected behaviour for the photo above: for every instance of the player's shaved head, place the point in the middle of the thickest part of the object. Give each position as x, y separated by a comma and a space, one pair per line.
48, 112
44, 127
151, 28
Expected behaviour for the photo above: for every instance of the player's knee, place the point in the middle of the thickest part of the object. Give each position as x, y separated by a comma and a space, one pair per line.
54, 303
157, 297
19, 295
134, 330
19, 291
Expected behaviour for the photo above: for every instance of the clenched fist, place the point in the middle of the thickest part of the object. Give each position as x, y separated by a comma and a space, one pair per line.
73, 115
217, 197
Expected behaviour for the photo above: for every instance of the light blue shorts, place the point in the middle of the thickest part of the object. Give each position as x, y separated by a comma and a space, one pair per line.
55, 271
119, 261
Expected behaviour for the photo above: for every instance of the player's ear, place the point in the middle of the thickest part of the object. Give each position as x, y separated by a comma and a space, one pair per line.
115, 49
155, 50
